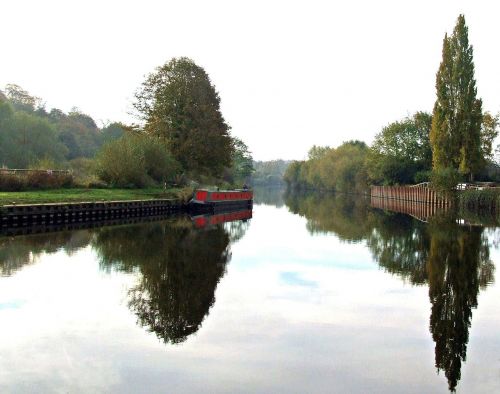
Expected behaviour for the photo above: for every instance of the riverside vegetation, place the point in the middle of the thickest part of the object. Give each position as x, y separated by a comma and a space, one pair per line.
453, 144
182, 140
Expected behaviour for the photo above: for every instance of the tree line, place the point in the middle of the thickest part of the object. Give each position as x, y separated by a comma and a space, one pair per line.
453, 143
29, 133
181, 136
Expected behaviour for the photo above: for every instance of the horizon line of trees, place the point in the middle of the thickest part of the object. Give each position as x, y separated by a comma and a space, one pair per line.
454, 143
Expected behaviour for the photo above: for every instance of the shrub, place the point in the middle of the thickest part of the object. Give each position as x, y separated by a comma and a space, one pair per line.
135, 161
12, 183
34, 180
121, 163
445, 180
422, 176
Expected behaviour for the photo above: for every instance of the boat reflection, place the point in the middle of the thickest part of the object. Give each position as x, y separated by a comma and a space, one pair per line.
179, 262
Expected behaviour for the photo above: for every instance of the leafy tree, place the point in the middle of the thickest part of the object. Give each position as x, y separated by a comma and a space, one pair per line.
401, 150
180, 106
340, 169
21, 99
111, 132
489, 132
242, 161
26, 138
456, 123
269, 173
80, 134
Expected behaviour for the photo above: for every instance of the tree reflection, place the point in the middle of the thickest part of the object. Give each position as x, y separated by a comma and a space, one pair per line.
16, 252
269, 196
342, 214
458, 266
400, 245
452, 259
180, 268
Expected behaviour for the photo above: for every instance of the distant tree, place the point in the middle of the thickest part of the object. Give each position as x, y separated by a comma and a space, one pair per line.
26, 138
111, 132
242, 161
489, 132
78, 132
56, 115
317, 152
456, 123
269, 173
181, 107
340, 169
21, 99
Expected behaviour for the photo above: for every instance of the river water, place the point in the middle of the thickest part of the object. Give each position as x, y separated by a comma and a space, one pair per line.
313, 294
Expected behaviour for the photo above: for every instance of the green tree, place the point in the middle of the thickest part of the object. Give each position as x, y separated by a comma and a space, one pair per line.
489, 132
456, 123
21, 99
401, 151
25, 138
242, 162
180, 106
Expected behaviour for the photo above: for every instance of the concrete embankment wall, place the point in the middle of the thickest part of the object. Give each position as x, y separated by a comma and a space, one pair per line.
50, 214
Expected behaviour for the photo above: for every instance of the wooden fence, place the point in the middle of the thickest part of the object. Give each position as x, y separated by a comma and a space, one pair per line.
19, 171
419, 194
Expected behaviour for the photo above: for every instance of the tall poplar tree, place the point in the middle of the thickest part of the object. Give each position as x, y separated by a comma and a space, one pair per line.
457, 116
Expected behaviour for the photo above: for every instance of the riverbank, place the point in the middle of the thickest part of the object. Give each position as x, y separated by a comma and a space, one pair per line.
82, 194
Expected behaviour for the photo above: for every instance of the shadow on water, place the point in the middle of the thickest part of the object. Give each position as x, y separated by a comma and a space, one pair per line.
452, 259
178, 264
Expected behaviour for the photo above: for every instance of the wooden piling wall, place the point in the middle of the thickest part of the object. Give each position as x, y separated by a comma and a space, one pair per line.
418, 201
414, 194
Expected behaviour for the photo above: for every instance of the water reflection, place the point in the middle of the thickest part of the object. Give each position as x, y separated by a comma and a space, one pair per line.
179, 265
269, 196
180, 268
20, 251
452, 259
458, 266
343, 215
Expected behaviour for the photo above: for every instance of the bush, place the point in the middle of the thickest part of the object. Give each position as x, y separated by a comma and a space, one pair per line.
422, 176
12, 183
135, 161
34, 180
46, 180
445, 180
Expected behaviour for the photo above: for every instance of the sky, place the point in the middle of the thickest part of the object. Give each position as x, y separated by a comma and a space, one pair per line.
290, 74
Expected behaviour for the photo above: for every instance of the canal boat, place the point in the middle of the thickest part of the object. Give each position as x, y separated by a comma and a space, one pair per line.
218, 200
209, 220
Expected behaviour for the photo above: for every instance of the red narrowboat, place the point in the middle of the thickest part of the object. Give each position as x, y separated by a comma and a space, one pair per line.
214, 199
207, 220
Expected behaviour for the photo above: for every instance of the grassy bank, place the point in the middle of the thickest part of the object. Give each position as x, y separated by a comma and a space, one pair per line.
77, 195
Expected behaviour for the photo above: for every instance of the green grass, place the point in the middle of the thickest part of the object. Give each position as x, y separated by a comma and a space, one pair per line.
79, 195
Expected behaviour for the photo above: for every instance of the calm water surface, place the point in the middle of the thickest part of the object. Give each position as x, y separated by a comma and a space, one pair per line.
313, 294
